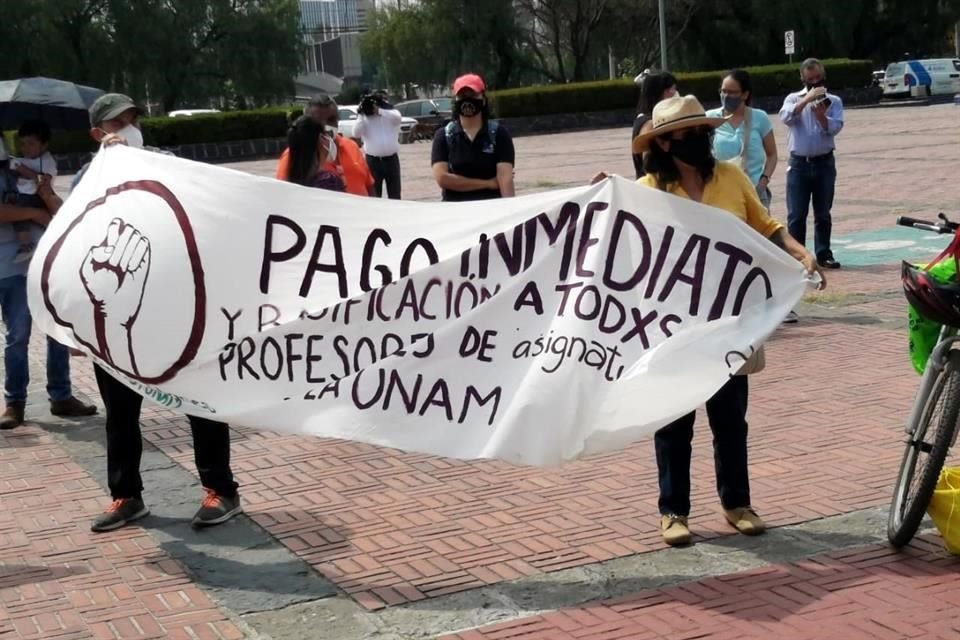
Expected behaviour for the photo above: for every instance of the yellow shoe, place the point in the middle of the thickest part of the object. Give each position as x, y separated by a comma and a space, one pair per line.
745, 520
674, 530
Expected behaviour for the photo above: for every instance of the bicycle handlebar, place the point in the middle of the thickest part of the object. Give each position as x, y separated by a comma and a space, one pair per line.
942, 226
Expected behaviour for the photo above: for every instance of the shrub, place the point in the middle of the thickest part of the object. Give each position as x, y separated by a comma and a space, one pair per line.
216, 127
773, 80
605, 95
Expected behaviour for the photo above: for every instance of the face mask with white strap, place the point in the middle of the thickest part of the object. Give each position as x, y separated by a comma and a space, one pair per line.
132, 135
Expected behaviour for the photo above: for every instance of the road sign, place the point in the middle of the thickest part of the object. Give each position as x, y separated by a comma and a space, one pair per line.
789, 44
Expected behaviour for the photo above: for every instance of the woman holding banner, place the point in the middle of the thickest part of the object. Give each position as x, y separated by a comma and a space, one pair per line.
679, 159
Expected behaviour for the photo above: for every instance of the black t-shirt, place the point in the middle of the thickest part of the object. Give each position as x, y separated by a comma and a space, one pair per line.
477, 159
638, 123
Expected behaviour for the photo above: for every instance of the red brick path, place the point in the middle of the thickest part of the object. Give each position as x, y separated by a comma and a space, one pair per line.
58, 581
870, 593
390, 527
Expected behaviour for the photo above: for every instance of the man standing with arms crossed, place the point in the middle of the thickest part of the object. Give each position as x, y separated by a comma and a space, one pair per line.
813, 118
379, 129
114, 119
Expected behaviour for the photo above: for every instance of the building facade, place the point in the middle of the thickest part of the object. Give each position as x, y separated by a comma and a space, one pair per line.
331, 33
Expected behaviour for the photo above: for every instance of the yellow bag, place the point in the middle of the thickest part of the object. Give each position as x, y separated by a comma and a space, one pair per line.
945, 508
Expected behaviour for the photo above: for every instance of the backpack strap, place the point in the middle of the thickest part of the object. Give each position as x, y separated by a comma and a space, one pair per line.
450, 128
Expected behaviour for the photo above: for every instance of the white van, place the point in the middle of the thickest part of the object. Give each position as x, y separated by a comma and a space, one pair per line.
940, 76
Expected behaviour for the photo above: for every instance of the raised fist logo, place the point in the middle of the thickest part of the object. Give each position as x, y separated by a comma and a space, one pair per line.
114, 274
125, 278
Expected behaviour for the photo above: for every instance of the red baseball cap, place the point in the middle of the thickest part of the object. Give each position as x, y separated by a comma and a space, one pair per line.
469, 81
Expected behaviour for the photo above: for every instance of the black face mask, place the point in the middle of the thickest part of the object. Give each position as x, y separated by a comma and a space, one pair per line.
814, 85
468, 107
695, 149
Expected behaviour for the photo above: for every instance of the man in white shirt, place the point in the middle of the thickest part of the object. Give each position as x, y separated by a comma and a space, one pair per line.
378, 127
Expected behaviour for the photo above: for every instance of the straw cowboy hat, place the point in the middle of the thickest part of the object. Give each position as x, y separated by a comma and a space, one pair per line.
678, 112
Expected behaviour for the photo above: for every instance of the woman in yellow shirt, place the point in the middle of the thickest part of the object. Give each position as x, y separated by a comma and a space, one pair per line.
680, 161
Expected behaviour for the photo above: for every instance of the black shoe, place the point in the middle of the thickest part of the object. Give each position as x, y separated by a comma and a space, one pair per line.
12, 416
216, 509
121, 512
829, 263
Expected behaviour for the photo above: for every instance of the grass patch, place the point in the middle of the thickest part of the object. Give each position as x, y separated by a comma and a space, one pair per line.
547, 184
835, 298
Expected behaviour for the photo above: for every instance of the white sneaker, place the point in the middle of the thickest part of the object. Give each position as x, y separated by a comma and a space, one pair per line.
792, 318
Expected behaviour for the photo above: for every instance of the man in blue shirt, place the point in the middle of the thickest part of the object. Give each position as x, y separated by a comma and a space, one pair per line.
813, 118
16, 317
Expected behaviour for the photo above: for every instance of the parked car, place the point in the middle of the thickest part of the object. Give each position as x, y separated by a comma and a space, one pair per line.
926, 77
430, 114
878, 78
183, 113
349, 115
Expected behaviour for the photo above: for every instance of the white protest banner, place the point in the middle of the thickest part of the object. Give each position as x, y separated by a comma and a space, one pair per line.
532, 329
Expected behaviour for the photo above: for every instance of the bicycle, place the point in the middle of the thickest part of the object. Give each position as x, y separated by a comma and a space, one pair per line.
926, 452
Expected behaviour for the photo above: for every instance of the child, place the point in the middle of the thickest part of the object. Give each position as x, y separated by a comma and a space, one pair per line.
33, 138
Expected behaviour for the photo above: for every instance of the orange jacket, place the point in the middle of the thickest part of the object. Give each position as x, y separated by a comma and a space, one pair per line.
352, 166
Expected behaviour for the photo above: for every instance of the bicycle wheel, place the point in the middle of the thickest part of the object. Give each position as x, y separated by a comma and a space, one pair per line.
925, 454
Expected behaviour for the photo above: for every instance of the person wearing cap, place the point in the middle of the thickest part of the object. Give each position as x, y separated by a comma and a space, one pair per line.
472, 156
16, 313
679, 160
114, 119
380, 133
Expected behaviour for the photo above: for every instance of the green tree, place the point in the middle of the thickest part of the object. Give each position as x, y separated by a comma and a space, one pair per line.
433, 41
189, 50
559, 34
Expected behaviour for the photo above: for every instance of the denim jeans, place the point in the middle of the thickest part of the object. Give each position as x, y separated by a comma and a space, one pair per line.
727, 411
16, 360
813, 181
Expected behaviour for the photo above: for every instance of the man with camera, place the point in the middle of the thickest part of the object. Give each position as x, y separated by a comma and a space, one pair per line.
813, 117
378, 127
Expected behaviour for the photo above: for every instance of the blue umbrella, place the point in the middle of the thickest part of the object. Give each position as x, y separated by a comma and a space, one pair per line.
62, 105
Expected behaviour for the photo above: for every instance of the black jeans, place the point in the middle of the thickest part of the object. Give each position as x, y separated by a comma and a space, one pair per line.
811, 180
727, 411
211, 443
385, 169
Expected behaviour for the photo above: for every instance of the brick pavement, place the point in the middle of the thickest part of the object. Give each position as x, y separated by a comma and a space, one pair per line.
868, 593
59, 581
390, 528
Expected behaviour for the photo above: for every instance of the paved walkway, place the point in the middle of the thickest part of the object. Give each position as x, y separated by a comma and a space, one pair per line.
350, 541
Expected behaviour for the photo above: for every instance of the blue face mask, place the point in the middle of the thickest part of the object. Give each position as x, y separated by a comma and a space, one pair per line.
730, 103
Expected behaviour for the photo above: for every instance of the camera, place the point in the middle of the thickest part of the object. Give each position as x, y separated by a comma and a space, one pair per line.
368, 105
370, 101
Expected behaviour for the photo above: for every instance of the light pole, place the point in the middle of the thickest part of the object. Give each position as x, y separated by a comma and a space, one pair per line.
663, 36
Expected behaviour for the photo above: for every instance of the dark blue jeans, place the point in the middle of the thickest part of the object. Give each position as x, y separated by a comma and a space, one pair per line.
727, 413
811, 181
16, 360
